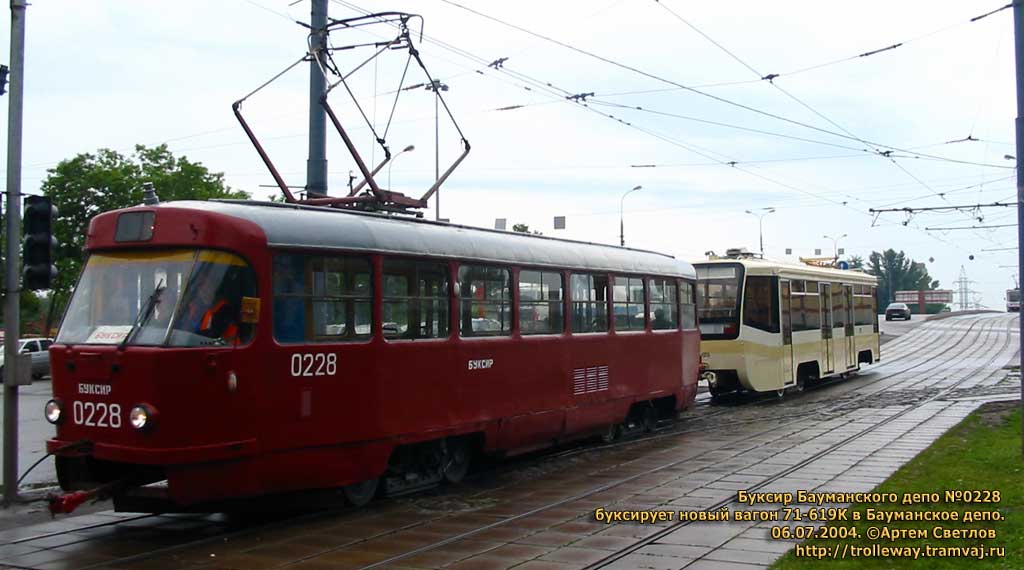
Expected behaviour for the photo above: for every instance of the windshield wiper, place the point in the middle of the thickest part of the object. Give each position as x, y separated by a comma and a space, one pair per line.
144, 315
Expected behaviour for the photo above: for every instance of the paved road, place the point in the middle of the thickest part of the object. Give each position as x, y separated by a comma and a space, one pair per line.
845, 436
893, 329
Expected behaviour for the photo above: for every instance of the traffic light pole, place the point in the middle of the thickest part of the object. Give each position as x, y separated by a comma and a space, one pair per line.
12, 285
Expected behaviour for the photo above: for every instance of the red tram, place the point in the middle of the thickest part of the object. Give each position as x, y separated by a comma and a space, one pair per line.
348, 350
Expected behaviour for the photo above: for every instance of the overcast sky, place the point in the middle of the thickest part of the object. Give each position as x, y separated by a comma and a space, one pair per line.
808, 144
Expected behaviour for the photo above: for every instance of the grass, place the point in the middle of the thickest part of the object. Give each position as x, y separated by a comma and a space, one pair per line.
982, 452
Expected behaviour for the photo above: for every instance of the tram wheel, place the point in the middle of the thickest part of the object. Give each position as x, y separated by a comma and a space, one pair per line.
780, 393
360, 494
801, 383
458, 460
650, 419
611, 434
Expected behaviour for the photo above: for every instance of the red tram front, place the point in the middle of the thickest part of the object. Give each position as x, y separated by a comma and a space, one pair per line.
238, 349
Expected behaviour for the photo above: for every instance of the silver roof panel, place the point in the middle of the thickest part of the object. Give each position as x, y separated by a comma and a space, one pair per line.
307, 226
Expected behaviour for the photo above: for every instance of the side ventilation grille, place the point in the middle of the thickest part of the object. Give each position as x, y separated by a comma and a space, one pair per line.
589, 380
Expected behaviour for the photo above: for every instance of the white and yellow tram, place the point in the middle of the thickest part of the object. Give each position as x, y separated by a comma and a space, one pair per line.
768, 326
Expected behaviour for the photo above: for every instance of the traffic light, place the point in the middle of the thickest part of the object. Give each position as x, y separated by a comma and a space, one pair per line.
37, 250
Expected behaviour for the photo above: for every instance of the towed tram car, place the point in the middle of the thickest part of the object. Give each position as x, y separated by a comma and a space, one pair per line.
358, 351
767, 326
1013, 300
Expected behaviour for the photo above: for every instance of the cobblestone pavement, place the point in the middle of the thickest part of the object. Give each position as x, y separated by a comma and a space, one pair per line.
539, 512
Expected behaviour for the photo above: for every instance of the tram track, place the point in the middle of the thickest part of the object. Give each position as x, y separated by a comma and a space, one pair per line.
983, 325
622, 553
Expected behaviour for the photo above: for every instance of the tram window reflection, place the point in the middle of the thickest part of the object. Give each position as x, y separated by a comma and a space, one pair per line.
628, 303
687, 305
486, 301
322, 298
761, 303
540, 302
664, 304
589, 303
415, 299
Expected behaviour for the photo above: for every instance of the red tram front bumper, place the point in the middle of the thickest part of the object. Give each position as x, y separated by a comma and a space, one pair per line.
165, 456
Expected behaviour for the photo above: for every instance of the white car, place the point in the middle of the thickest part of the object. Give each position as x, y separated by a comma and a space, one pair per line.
39, 348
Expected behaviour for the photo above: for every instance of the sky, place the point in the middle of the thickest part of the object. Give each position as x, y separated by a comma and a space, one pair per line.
678, 107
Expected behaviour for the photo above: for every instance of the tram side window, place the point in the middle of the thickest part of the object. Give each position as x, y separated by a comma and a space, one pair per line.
805, 311
838, 306
415, 299
541, 294
874, 308
761, 303
864, 304
687, 305
589, 303
486, 307
628, 303
664, 304
321, 299
862, 308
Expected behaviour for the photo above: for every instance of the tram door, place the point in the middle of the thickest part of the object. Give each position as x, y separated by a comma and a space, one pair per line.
827, 342
787, 334
851, 343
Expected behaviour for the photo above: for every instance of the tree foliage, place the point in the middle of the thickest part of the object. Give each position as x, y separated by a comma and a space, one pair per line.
898, 272
93, 183
525, 229
856, 262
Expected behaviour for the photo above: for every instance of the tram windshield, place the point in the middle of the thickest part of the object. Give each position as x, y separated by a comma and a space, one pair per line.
171, 297
718, 300
1013, 295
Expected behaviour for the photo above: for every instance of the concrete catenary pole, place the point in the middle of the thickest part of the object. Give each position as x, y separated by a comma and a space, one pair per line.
316, 164
12, 286
1018, 34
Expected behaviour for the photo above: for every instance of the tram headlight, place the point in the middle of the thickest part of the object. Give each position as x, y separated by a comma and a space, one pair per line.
142, 416
53, 411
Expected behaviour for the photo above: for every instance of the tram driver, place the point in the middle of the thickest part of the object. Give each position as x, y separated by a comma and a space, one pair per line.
208, 311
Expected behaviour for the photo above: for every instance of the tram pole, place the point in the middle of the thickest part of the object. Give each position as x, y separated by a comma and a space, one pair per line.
316, 164
1018, 41
12, 286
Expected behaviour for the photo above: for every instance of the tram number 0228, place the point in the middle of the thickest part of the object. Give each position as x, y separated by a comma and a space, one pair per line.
95, 414
319, 364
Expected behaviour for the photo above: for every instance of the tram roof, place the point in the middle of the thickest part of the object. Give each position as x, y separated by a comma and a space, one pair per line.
768, 267
291, 225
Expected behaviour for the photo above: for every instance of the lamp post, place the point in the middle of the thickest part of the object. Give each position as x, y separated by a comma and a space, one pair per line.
409, 148
760, 226
835, 245
622, 232
436, 86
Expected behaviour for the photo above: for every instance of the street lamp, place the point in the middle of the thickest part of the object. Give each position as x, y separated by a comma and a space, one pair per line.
835, 245
760, 226
622, 233
436, 86
409, 148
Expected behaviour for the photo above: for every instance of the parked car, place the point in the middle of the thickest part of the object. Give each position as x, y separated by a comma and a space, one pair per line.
897, 311
39, 348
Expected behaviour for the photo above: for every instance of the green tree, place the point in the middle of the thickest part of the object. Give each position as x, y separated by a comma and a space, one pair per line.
897, 272
31, 313
93, 183
524, 229
856, 262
